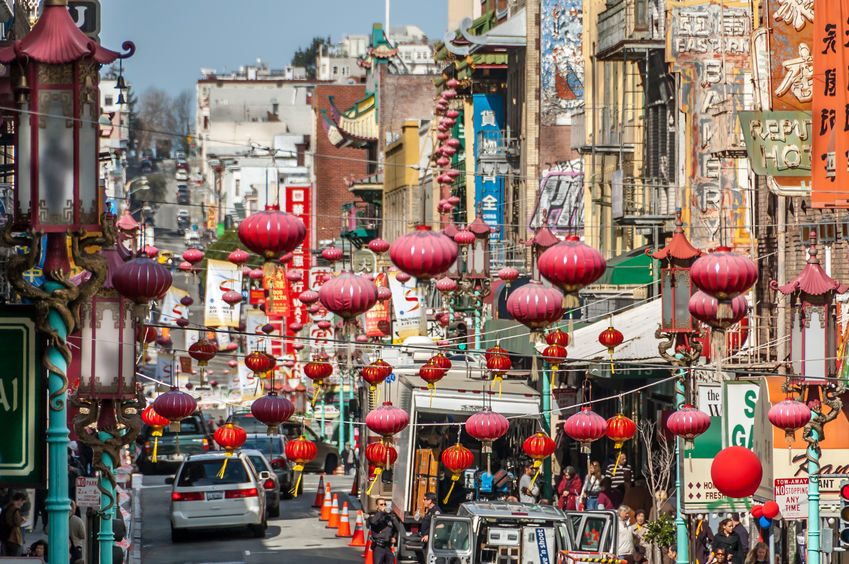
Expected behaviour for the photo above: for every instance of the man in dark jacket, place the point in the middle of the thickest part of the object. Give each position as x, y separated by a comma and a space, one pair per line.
383, 533
431, 509
741, 532
10, 525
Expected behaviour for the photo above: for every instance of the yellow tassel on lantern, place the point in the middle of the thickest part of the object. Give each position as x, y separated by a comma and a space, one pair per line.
299, 468
616, 465
454, 479
538, 466
224, 466
377, 472
156, 434
498, 379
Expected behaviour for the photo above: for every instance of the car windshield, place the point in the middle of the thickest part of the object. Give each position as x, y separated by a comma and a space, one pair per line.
271, 447
188, 426
206, 473
249, 423
259, 463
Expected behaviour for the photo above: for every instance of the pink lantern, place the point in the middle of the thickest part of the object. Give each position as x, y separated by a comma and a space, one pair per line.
231, 297
535, 306
239, 257
585, 427
308, 297
378, 246
571, 265
423, 253
789, 416
332, 253
294, 275
272, 233
348, 295
724, 275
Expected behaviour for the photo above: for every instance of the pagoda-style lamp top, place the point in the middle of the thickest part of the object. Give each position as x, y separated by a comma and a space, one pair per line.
543, 238
54, 70
812, 285
477, 266
678, 251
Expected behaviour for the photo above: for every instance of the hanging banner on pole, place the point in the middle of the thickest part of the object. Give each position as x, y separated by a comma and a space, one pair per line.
279, 301
378, 320
830, 105
221, 276
172, 309
407, 308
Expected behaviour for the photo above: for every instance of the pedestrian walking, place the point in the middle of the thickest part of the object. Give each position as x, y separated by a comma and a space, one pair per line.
568, 489
528, 492
625, 537
758, 555
76, 533
431, 509
619, 472
642, 548
10, 525
741, 532
384, 533
728, 540
703, 541
592, 486
348, 458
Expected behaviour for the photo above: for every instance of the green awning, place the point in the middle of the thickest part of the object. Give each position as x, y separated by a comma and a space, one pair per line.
631, 268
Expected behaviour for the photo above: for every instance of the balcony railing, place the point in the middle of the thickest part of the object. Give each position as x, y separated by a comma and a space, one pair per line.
497, 145
627, 26
646, 201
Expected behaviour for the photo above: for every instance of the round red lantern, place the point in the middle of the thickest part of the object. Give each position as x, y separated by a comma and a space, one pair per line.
232, 297
554, 355
272, 233
146, 334
431, 374
187, 301
380, 456
255, 274
300, 451
508, 274
378, 246
232, 363
464, 237
611, 338
174, 406
230, 437
155, 422
789, 415
539, 446
294, 275
308, 297
193, 256
440, 361
571, 265
705, 308
423, 253
387, 420
447, 285
557, 337
498, 361
259, 362
724, 275
620, 429
688, 423
736, 472
770, 509
376, 372
535, 306
487, 426
286, 258
317, 371
141, 279
456, 459
272, 410
402, 277
182, 322
383, 293
586, 426
348, 295
295, 326
239, 257
203, 351
323, 324
332, 253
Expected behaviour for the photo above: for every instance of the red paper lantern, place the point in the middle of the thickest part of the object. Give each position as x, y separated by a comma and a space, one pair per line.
387, 420
332, 253
724, 275
146, 334
164, 342
539, 446
294, 275
378, 246
286, 258
508, 274
402, 277
586, 426
193, 256
499, 365
557, 337
324, 324
376, 373
688, 423
182, 322
789, 415
620, 429
456, 459
447, 285
259, 362
232, 363
705, 308
272, 410
203, 351
423, 253
770, 509
141, 279
308, 297
174, 405
487, 426
383, 293
187, 301
300, 451
185, 266
348, 295
255, 274
381, 455
239, 257
431, 374
464, 237
272, 233
554, 355
571, 265
294, 327
611, 338
318, 370
232, 297
736, 472
153, 419
150, 251
230, 437
535, 306
440, 361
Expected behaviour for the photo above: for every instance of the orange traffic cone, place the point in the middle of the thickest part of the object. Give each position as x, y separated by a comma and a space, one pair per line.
355, 486
344, 522
359, 534
319, 493
325, 506
368, 545
369, 553
333, 522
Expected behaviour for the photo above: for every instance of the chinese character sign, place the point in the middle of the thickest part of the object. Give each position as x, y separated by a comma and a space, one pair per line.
298, 204
830, 105
489, 143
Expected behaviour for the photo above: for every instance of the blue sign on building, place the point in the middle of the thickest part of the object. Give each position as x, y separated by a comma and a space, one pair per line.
488, 121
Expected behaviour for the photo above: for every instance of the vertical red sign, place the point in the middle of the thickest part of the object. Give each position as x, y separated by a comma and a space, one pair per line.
830, 105
297, 203
377, 318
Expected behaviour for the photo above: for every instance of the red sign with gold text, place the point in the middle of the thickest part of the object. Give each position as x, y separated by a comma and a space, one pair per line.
830, 178
297, 203
277, 290
377, 318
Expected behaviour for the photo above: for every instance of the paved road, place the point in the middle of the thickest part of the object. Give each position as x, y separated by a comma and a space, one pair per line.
297, 536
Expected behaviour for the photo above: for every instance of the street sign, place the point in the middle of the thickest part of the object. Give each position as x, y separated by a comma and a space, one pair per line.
87, 493
791, 495
22, 400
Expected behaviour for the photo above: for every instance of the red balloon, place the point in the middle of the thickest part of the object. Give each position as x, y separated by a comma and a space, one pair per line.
771, 510
736, 472
757, 511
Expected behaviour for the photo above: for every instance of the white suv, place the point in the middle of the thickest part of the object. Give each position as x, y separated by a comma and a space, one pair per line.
200, 499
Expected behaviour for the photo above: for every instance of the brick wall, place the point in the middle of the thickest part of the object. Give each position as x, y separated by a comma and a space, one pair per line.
403, 97
331, 165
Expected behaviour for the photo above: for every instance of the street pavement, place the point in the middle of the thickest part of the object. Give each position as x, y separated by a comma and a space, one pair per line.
297, 536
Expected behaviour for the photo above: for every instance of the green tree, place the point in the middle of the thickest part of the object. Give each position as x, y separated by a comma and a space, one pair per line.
305, 57
661, 531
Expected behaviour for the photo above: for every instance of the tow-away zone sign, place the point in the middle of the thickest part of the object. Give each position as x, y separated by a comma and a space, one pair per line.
791, 495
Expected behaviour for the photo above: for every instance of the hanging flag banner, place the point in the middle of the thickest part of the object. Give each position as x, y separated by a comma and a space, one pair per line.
254, 320
407, 308
221, 276
186, 364
172, 309
378, 320
247, 380
277, 289
318, 275
830, 105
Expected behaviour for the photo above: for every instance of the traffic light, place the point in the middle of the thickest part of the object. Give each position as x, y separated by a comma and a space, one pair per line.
843, 517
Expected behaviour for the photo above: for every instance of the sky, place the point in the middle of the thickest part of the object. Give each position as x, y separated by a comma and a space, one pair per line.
176, 38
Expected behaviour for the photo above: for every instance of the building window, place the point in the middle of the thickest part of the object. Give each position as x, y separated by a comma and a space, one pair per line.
107, 101
236, 187
275, 108
335, 70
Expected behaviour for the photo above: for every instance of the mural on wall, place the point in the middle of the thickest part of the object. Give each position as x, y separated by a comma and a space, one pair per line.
708, 43
561, 61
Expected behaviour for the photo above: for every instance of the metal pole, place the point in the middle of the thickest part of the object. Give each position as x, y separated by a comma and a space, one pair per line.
813, 499
478, 321
547, 491
681, 539
105, 538
58, 503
